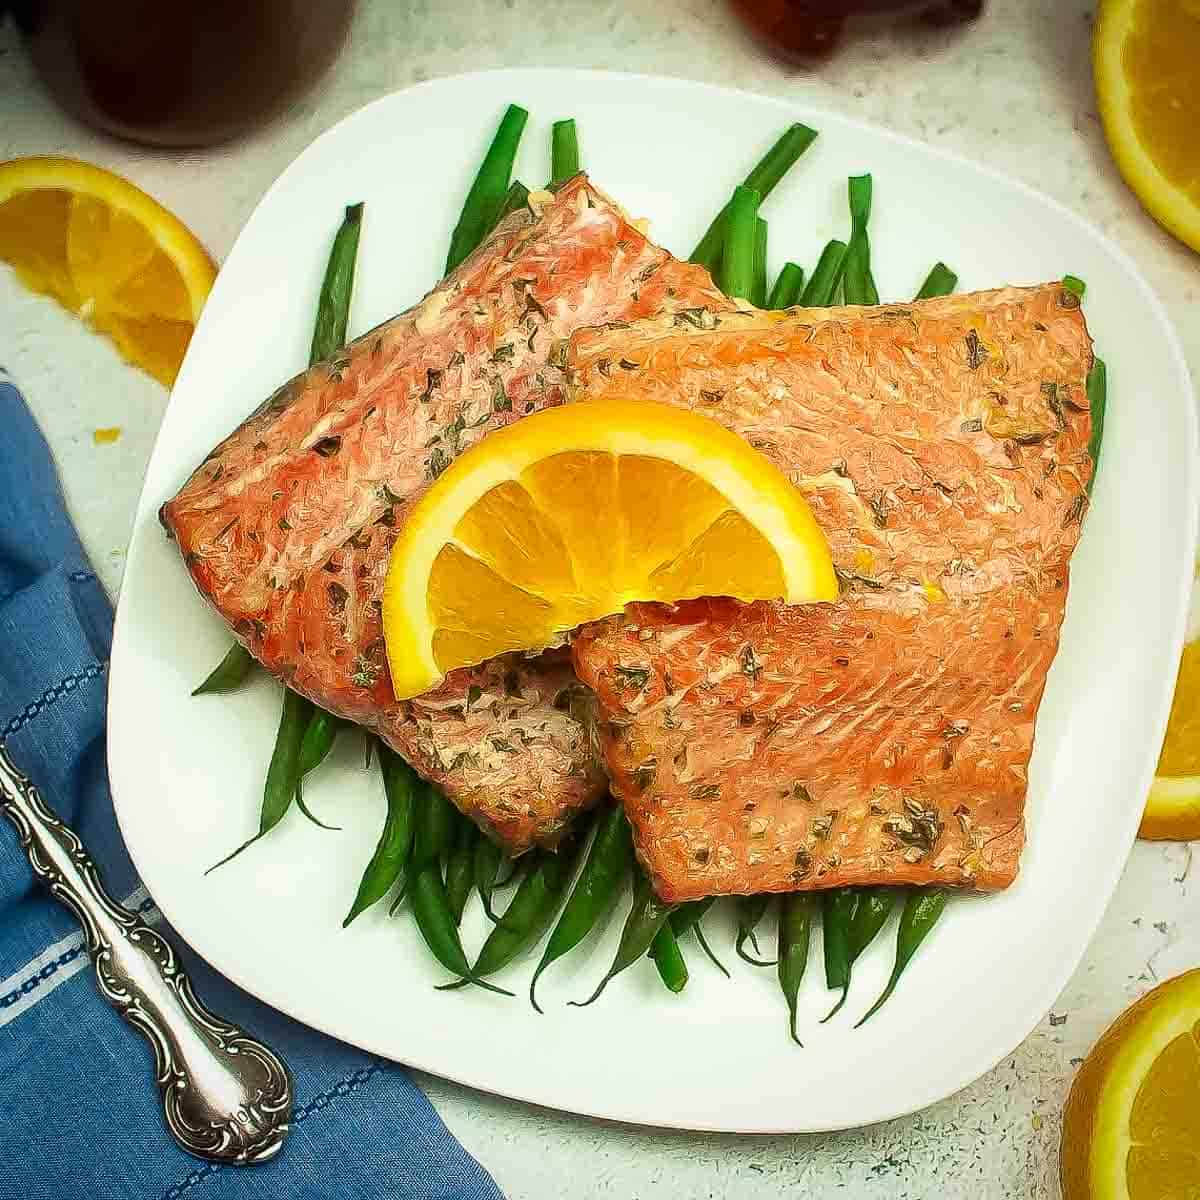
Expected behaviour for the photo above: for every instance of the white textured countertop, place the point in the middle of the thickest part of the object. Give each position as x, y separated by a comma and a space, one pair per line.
1014, 90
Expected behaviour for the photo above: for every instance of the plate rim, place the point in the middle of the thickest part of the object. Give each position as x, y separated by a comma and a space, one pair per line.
800, 108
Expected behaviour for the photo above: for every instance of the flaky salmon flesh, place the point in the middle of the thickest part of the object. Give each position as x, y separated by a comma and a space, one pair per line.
287, 526
885, 738
882, 739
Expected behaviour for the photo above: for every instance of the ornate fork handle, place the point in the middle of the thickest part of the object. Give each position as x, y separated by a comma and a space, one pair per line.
226, 1096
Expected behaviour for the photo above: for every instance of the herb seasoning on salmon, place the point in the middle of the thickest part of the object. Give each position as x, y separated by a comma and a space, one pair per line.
886, 738
286, 527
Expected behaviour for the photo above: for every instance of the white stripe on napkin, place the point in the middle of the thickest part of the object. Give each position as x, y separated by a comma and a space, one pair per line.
57, 963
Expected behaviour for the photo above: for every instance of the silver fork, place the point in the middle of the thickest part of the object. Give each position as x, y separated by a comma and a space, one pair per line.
226, 1096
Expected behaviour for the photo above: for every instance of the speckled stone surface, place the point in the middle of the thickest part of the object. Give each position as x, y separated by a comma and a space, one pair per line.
1012, 90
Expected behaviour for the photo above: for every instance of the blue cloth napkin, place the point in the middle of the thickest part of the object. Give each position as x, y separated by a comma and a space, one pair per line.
81, 1113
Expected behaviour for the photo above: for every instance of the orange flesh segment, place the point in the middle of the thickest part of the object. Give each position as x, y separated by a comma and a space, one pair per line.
527, 564
1159, 61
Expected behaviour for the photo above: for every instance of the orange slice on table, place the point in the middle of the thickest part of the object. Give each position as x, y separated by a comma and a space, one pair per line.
1173, 808
1144, 57
1131, 1127
570, 514
107, 252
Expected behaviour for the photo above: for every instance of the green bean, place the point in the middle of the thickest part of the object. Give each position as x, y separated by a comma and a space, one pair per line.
826, 276
837, 914
402, 891
759, 292
434, 826
607, 864
436, 923
1097, 393
751, 910
921, 912
1097, 390
940, 281
280, 787
486, 196
387, 865
795, 928
875, 905
285, 761
531, 909
708, 950
668, 958
872, 908
564, 152
318, 740
434, 820
284, 769
486, 867
686, 918
857, 279
333, 308
871, 915
780, 159
460, 876
741, 237
516, 197
302, 805
645, 919
516, 868
230, 673
788, 286
769, 170
1074, 284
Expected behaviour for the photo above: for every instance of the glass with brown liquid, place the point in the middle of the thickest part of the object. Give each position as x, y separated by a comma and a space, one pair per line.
806, 29
181, 72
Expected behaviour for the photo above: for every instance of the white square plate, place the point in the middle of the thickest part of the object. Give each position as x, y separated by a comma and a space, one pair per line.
187, 774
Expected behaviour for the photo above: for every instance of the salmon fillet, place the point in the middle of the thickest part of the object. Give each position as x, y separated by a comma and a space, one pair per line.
885, 738
287, 525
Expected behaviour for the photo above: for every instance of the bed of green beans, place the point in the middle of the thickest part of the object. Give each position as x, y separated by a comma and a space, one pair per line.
430, 859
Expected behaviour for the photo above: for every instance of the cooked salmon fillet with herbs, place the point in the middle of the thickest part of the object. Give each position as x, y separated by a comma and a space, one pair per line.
287, 526
885, 738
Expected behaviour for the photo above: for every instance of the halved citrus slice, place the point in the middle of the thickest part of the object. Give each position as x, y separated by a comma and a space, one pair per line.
1173, 809
570, 514
1131, 1127
1144, 55
107, 252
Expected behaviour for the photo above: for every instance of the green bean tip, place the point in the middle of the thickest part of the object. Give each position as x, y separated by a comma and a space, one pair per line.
837, 1007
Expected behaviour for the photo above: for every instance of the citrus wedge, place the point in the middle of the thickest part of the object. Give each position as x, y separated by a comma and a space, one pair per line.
1144, 56
107, 252
573, 512
1131, 1127
1173, 808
